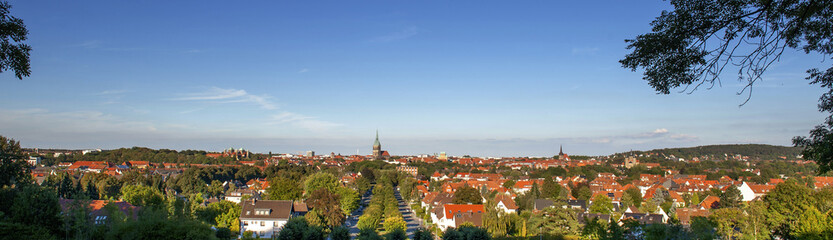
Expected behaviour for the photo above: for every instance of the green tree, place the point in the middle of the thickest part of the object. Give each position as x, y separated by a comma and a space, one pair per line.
554, 220
13, 168
340, 233
321, 180
326, 210
14, 55
466, 195
583, 192
34, 205
550, 189
601, 204
787, 202
368, 234
423, 234
466, 232
394, 223
756, 224
495, 221
349, 201
634, 195
140, 195
730, 198
729, 222
691, 46
812, 225
396, 234
281, 188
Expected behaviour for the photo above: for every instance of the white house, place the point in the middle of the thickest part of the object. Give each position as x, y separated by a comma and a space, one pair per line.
265, 218
746, 192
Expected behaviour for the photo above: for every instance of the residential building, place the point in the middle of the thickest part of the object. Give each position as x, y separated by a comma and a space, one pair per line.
265, 218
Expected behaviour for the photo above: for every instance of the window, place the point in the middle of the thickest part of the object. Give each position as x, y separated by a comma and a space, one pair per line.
262, 223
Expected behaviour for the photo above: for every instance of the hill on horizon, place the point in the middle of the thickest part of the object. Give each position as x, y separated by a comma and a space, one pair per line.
723, 151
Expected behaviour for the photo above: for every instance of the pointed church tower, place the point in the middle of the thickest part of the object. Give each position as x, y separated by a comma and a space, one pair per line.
377, 147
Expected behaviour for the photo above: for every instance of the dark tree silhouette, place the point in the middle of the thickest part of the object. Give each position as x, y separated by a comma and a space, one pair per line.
14, 55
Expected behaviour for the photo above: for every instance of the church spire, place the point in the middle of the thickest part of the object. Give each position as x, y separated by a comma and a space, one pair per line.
376, 143
561, 150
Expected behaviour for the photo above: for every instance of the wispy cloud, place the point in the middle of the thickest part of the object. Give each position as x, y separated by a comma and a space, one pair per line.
398, 35
229, 96
585, 50
111, 96
303, 70
45, 121
89, 44
301, 121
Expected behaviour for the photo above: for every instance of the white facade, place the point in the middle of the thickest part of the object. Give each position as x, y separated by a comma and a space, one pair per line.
262, 228
746, 192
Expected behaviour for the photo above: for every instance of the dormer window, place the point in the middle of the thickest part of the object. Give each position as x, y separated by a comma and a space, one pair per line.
263, 211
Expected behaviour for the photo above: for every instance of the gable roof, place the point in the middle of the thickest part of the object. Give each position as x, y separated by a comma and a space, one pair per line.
540, 204
451, 209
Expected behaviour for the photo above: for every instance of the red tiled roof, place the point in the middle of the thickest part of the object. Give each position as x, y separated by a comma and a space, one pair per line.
451, 209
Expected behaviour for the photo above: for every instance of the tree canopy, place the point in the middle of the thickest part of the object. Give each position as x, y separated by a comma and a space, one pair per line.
14, 54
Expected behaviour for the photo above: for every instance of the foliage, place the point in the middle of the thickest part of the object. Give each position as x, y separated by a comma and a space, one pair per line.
423, 234
550, 189
582, 192
729, 221
325, 209
140, 195
466, 233
368, 234
340, 233
19, 231
495, 221
394, 223
396, 234
554, 220
467, 195
321, 180
157, 224
730, 198
786, 203
15, 54
13, 168
36, 206
349, 201
299, 228
601, 204
281, 188
634, 195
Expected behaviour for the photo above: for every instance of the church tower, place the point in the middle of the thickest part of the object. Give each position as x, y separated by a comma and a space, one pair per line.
377, 147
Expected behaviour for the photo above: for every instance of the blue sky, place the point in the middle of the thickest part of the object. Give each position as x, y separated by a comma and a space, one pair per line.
483, 78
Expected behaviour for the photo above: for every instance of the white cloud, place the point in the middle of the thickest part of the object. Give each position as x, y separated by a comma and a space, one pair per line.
229, 96
585, 50
303, 70
301, 121
399, 35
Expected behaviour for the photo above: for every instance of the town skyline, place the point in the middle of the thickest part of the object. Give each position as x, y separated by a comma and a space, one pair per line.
506, 80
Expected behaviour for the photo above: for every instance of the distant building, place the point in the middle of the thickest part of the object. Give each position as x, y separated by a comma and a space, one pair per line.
34, 161
408, 169
562, 155
443, 157
631, 161
310, 153
377, 149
